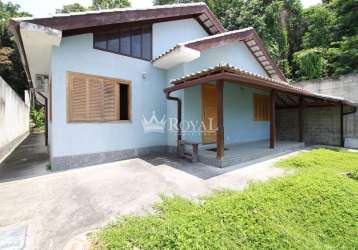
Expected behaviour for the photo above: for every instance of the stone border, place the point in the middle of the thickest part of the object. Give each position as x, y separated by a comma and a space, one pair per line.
83, 160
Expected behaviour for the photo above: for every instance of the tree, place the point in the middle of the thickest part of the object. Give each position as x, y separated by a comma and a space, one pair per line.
346, 12
109, 4
11, 68
75, 7
311, 63
343, 56
320, 23
165, 2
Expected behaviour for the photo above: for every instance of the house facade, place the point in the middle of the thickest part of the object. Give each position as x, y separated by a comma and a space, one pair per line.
119, 81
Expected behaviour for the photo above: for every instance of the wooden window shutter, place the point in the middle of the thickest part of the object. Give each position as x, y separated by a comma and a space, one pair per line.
78, 98
261, 107
92, 98
110, 100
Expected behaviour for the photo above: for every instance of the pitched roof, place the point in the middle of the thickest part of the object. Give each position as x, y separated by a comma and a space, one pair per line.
83, 21
248, 36
231, 73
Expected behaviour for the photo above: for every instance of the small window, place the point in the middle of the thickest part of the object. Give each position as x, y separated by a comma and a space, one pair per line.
125, 43
101, 41
261, 107
135, 42
113, 43
147, 44
97, 99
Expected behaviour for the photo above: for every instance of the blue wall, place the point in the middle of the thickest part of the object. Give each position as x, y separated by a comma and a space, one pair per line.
236, 54
238, 100
76, 54
239, 124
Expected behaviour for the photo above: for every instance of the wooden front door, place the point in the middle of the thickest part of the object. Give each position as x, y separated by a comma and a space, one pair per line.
209, 112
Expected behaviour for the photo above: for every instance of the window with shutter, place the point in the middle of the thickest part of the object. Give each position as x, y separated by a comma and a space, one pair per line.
97, 99
261, 107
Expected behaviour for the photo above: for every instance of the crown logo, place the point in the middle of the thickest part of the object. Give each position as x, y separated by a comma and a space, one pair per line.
153, 125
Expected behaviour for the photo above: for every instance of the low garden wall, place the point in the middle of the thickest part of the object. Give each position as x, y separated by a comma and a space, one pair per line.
14, 118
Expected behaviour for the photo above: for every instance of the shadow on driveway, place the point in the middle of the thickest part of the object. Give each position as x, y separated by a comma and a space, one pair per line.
29, 159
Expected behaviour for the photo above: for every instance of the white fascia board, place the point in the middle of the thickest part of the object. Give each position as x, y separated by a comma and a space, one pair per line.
179, 55
52, 36
38, 42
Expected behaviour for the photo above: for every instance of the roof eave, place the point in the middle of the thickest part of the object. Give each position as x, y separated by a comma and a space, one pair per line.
226, 72
14, 28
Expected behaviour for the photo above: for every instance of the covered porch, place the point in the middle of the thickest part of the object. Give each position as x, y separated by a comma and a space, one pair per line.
241, 153
278, 95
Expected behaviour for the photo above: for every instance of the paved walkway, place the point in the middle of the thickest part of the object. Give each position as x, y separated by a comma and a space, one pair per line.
29, 159
56, 207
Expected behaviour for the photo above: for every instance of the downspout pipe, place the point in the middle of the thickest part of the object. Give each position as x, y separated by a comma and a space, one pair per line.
46, 112
179, 109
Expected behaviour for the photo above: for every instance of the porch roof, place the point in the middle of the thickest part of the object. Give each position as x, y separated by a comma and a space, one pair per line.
231, 73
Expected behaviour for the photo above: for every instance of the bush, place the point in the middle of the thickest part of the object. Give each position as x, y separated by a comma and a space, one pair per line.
38, 117
354, 174
310, 62
343, 56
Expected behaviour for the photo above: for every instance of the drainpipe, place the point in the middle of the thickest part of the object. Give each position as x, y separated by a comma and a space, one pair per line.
179, 105
46, 112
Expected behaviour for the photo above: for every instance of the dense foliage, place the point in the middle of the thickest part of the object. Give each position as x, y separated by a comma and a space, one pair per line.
96, 5
109, 4
11, 69
315, 208
74, 7
311, 63
37, 116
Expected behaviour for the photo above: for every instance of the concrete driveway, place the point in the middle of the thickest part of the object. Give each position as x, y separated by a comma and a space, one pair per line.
28, 159
56, 207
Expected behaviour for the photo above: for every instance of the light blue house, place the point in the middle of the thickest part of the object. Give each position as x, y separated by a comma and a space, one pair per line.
125, 82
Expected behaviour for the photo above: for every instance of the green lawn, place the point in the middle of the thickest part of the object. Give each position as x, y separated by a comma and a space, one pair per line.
316, 208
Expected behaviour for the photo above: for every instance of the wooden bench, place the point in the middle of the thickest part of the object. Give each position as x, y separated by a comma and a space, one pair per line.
193, 155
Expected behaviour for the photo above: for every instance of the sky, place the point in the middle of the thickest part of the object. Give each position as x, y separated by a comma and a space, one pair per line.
46, 7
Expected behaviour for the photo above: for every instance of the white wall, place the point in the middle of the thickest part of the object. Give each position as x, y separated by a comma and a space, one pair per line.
14, 118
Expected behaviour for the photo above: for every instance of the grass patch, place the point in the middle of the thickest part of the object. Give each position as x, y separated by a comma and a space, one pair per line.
317, 208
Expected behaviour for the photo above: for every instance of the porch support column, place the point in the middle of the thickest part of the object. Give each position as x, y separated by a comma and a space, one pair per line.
300, 120
220, 120
273, 119
341, 125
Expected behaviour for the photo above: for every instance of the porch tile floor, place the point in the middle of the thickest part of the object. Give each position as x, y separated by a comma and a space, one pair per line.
246, 152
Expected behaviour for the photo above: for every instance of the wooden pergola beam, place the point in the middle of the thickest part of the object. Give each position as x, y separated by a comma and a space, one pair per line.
341, 106
273, 119
301, 120
220, 120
